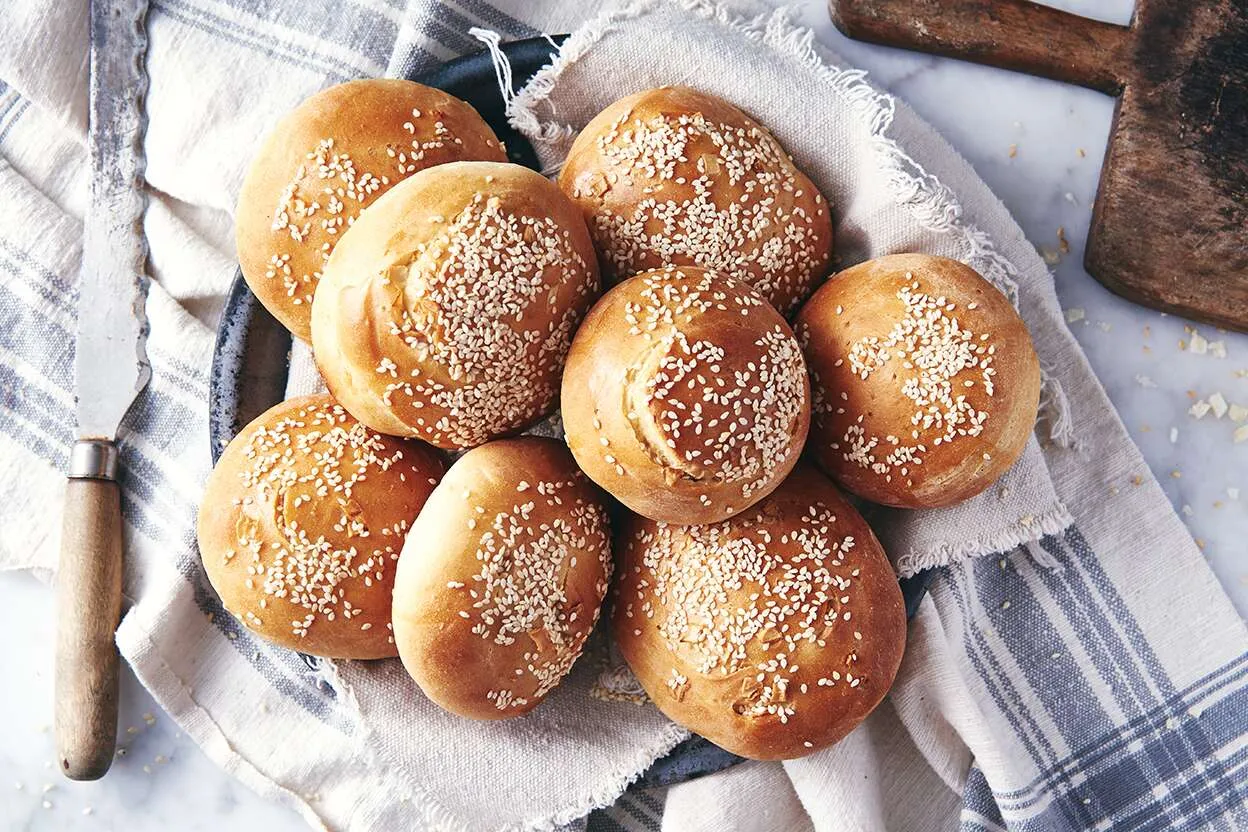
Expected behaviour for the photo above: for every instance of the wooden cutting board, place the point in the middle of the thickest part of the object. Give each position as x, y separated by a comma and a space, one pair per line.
1170, 225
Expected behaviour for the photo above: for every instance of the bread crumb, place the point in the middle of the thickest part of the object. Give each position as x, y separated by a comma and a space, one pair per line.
1105, 326
1174, 435
1063, 245
1198, 344
1237, 412
1144, 381
1075, 313
1051, 257
1232, 492
1218, 404
1199, 409
1217, 349
1176, 474
1240, 435
1013, 151
1187, 510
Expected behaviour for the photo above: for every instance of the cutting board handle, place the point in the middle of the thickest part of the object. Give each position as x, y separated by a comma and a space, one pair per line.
1011, 34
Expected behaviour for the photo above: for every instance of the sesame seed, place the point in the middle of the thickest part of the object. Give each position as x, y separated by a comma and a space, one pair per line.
939, 352
686, 575
772, 243
311, 572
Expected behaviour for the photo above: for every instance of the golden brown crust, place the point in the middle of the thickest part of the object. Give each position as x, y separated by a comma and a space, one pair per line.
502, 578
685, 395
673, 176
301, 524
326, 161
924, 377
446, 312
772, 634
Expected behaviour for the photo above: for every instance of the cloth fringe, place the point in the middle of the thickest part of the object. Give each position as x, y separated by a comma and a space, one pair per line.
1019, 533
1042, 557
1055, 408
502, 66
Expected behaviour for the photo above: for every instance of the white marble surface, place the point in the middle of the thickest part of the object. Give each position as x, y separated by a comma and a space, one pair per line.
164, 782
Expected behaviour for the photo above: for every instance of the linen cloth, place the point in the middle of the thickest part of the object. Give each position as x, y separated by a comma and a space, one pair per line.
1051, 685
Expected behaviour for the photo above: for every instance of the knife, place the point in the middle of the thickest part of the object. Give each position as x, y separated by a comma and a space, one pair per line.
110, 370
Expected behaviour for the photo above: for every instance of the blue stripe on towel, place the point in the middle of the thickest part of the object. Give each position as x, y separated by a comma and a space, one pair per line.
1161, 767
42, 423
1128, 657
494, 18
1038, 649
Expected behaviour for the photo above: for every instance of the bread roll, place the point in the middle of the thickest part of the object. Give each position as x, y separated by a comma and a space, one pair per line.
502, 578
673, 176
302, 522
685, 395
772, 634
925, 381
446, 311
326, 161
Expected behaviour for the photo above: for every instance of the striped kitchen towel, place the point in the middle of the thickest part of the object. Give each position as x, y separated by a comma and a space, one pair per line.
1086, 672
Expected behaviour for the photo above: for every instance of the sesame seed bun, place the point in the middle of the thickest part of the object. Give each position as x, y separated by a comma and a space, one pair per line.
772, 634
302, 522
685, 395
924, 377
326, 161
673, 176
446, 311
502, 578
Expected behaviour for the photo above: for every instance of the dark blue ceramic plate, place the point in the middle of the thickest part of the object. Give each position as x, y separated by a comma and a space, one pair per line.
252, 356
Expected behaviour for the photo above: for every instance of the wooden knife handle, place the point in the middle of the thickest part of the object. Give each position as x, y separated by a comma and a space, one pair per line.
89, 607
1011, 34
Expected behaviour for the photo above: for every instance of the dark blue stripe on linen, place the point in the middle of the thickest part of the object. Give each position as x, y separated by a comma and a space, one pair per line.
1081, 551
332, 68
1129, 660
1110, 656
977, 796
455, 39
365, 31
1024, 626
1201, 808
1093, 629
17, 112
495, 19
998, 684
1085, 759
61, 295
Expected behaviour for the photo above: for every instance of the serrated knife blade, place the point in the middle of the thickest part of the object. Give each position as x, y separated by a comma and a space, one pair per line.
110, 371
111, 366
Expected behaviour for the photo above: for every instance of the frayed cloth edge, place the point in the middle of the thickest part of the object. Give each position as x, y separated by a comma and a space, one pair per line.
1018, 533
